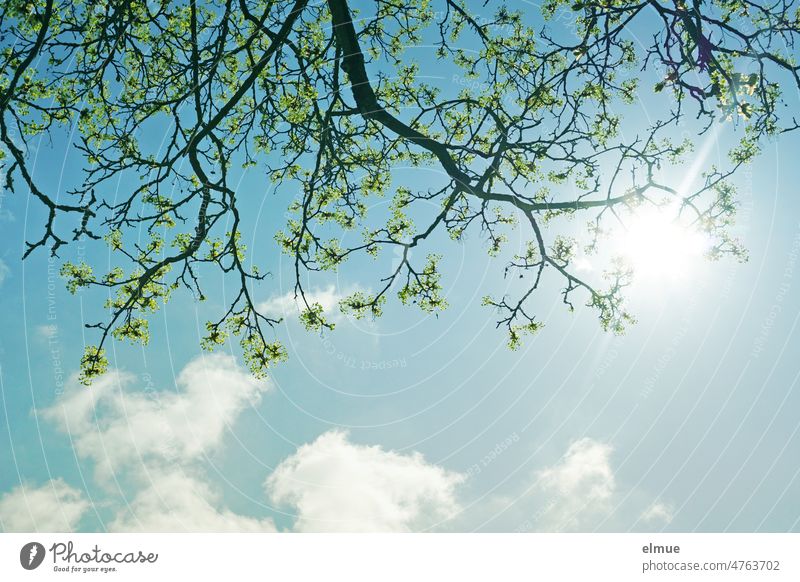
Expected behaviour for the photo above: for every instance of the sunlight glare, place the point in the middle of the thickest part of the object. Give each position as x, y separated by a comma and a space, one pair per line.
659, 246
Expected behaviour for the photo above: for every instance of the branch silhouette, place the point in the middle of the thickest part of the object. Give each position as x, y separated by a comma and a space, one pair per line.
326, 100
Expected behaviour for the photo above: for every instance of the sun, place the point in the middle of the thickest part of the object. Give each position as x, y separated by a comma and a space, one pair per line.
659, 244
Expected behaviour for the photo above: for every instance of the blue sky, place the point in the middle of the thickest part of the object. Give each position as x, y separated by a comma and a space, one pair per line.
413, 422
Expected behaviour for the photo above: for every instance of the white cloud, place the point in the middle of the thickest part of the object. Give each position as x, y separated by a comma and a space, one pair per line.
658, 513
584, 471
153, 443
176, 501
118, 427
53, 507
576, 493
46, 332
157, 440
287, 305
577, 487
4, 271
336, 485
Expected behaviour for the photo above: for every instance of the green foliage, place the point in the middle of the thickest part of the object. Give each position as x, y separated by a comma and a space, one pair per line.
515, 333
215, 336
360, 304
563, 249
77, 276
424, 288
313, 318
93, 364
135, 330
329, 102
260, 356
611, 304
